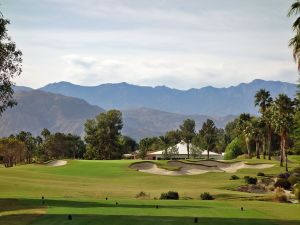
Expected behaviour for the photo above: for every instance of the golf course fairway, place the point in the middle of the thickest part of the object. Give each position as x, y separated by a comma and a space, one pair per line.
79, 189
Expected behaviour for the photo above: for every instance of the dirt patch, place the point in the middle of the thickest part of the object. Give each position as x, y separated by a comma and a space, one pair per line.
258, 189
57, 163
195, 168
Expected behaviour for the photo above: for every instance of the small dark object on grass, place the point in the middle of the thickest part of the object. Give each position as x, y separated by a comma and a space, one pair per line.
43, 197
117, 203
260, 174
69, 217
250, 180
170, 195
206, 196
196, 220
157, 206
106, 198
242, 208
234, 177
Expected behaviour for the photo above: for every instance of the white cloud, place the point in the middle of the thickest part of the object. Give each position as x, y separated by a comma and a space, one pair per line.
178, 43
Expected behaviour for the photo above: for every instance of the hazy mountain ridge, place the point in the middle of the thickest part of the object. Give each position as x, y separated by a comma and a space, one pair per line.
206, 101
141, 122
37, 110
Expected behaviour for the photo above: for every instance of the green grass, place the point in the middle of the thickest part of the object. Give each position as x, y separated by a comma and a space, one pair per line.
80, 187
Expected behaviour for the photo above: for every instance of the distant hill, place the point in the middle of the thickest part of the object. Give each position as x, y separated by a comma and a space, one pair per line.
21, 88
37, 110
206, 101
144, 122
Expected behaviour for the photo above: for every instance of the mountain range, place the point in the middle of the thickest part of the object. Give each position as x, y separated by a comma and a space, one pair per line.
205, 101
38, 109
64, 107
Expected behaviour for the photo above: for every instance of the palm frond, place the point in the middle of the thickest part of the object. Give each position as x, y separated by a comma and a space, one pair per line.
296, 24
295, 9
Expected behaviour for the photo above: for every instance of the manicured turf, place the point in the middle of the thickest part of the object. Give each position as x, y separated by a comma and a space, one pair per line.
80, 188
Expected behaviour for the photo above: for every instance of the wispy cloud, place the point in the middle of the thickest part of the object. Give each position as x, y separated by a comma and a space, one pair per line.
178, 43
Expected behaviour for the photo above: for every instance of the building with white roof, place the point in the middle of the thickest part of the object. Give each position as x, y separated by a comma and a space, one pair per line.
179, 151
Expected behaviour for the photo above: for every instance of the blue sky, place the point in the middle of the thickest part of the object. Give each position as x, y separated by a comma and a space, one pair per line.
179, 43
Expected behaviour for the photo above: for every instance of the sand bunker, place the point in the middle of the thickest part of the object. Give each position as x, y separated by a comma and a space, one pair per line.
196, 168
57, 163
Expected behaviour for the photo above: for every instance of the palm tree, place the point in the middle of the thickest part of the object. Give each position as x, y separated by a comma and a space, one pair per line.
295, 41
244, 125
283, 115
264, 100
257, 133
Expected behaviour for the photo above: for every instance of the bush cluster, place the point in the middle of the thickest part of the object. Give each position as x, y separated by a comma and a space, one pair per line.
234, 177
260, 174
206, 196
169, 195
233, 150
283, 183
250, 180
284, 175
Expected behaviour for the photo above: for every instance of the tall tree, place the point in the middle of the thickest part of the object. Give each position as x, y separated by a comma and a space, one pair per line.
295, 41
11, 151
103, 135
129, 145
258, 130
264, 100
244, 125
283, 115
144, 147
30, 144
10, 66
174, 136
295, 44
209, 133
187, 131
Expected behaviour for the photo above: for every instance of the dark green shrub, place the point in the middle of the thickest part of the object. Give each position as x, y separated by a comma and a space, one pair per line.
284, 175
246, 177
170, 195
283, 183
233, 150
206, 196
260, 174
234, 177
250, 180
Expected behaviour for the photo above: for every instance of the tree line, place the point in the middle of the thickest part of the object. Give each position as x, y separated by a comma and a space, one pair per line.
274, 132
102, 140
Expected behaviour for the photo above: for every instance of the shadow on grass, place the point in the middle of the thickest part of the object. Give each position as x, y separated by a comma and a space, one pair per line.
136, 220
16, 204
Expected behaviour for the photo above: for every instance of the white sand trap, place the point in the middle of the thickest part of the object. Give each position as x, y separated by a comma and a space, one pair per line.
57, 163
196, 168
149, 167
